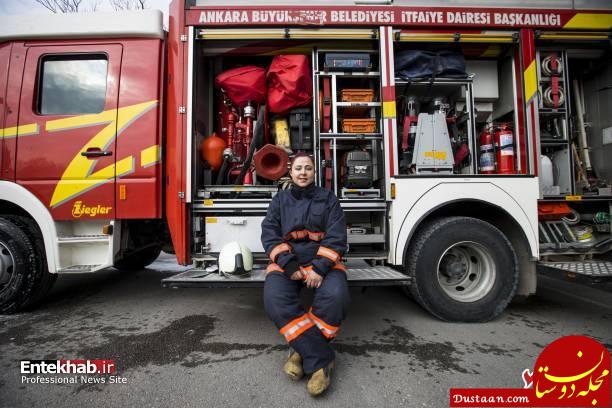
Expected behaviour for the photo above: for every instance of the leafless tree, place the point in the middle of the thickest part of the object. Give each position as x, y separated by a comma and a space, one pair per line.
128, 4
94, 4
69, 6
61, 6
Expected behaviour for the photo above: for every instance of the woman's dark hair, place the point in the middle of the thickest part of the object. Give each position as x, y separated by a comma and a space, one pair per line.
298, 155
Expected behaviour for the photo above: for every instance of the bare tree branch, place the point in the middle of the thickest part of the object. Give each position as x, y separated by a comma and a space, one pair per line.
74, 6
128, 4
94, 4
50, 5
69, 6
120, 4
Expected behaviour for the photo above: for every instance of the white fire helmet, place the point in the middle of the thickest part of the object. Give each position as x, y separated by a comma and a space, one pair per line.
235, 259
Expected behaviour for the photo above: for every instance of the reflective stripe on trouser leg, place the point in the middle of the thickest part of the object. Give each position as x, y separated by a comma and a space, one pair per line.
294, 328
330, 303
282, 304
327, 330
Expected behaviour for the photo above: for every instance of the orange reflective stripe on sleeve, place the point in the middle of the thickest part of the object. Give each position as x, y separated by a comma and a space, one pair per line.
280, 248
328, 330
274, 268
329, 254
339, 266
301, 234
306, 271
294, 328
298, 234
315, 236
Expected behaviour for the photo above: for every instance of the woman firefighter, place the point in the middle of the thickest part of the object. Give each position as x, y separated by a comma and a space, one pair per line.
304, 235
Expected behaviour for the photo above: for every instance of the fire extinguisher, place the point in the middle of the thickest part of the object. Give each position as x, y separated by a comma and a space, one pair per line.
410, 125
504, 147
487, 151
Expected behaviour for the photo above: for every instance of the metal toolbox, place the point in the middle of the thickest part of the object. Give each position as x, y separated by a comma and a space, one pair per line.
222, 230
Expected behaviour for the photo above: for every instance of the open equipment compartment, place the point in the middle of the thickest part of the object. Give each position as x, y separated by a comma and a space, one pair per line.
573, 126
226, 207
458, 104
349, 140
575, 83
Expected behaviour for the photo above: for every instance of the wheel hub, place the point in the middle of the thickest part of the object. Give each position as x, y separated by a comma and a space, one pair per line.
6, 264
453, 267
466, 271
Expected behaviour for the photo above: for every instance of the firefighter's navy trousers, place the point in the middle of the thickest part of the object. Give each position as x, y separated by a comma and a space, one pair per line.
308, 331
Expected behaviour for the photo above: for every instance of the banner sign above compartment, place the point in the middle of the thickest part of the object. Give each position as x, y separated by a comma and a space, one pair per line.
398, 16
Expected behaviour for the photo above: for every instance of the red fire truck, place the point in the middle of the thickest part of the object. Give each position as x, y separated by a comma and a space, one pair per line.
466, 144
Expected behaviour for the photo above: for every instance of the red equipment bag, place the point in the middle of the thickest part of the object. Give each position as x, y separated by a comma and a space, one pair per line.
553, 211
243, 84
289, 83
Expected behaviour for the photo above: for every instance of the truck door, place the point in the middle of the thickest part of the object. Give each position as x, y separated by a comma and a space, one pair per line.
5, 52
67, 129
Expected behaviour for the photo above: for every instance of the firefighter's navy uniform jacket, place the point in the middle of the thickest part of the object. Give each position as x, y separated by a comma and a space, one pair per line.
305, 227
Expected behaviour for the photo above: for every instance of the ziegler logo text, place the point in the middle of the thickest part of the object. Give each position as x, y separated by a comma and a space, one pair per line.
79, 209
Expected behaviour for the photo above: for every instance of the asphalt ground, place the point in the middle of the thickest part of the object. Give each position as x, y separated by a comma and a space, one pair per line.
216, 347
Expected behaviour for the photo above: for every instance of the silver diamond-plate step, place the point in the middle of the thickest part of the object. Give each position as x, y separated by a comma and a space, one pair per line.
367, 276
78, 269
597, 269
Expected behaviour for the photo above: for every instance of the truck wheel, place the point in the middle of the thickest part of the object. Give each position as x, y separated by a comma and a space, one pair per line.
19, 269
46, 279
139, 259
463, 269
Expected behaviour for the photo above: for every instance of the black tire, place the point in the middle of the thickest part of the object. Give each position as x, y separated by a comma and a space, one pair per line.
139, 259
19, 268
463, 269
46, 280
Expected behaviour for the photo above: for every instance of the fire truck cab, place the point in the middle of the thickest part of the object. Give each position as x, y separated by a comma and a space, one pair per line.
462, 157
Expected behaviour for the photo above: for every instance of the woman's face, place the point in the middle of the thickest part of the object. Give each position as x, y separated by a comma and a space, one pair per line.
302, 171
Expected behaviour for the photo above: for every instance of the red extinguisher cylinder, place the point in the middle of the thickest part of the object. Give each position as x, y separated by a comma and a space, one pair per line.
504, 146
487, 152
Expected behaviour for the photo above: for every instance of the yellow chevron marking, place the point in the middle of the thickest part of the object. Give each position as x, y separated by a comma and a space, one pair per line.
389, 110
150, 156
590, 21
21, 130
531, 81
78, 177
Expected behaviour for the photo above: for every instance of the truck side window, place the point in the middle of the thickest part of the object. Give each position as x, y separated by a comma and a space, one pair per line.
72, 84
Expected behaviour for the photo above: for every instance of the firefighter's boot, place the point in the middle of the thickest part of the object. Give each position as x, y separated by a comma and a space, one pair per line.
293, 367
320, 380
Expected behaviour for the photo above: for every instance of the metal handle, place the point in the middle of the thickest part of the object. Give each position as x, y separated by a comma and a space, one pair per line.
94, 152
386, 2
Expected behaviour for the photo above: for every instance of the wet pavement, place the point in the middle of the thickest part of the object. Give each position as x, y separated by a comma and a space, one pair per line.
215, 347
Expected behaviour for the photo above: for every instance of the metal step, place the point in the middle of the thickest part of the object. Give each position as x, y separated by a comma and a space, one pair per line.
82, 239
78, 269
261, 257
593, 269
359, 276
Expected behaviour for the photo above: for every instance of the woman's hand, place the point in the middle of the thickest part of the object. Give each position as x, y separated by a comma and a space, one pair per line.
312, 279
297, 275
